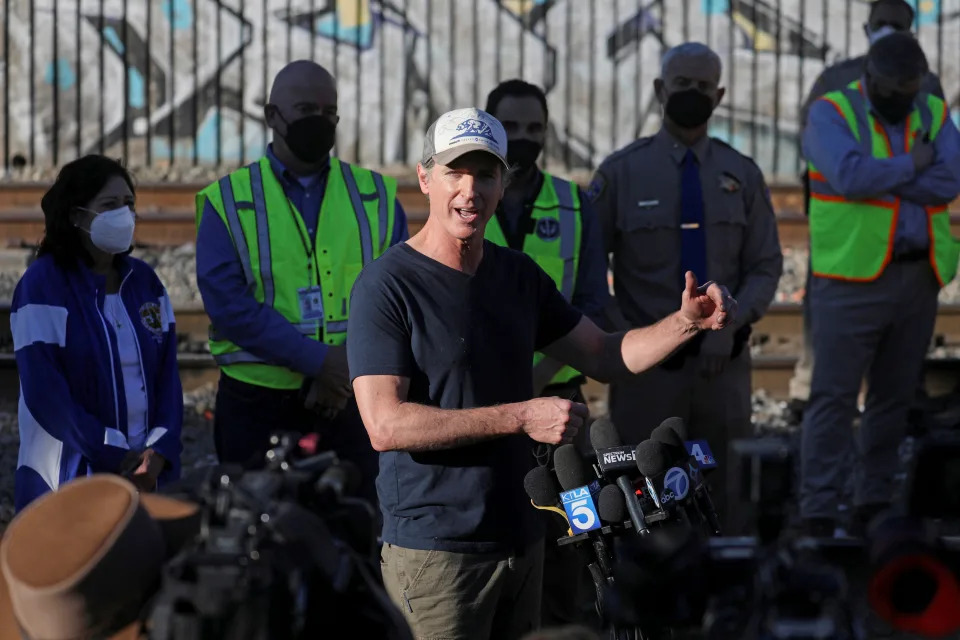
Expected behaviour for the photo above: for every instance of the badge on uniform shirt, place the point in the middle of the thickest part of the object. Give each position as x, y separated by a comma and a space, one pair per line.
596, 187
311, 303
729, 183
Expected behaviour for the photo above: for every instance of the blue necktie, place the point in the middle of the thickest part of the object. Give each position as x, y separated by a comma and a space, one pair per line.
693, 237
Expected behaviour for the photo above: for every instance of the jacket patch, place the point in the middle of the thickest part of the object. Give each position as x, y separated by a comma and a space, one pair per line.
151, 318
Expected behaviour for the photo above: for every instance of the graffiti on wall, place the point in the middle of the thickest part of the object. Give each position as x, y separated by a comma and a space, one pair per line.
185, 81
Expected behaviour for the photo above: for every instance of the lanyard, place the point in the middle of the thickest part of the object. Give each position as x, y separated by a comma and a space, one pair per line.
308, 246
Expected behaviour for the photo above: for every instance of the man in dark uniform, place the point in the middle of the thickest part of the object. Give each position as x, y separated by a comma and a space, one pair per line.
680, 201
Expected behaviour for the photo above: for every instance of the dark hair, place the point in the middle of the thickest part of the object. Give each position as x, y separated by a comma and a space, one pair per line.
899, 4
898, 56
78, 183
518, 89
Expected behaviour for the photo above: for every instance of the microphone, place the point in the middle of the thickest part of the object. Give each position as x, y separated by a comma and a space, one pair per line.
569, 467
671, 433
605, 439
668, 484
611, 505
578, 492
613, 457
577, 499
668, 433
542, 488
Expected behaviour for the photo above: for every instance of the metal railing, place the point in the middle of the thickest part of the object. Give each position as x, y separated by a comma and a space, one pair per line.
181, 83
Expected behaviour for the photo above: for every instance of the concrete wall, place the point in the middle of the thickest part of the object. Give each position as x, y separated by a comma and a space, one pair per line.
400, 62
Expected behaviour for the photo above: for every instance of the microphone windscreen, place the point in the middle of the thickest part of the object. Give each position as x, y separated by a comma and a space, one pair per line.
671, 438
541, 486
611, 504
569, 467
678, 425
653, 458
603, 434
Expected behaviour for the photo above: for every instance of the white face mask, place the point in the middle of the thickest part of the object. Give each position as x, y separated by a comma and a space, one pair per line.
882, 32
112, 231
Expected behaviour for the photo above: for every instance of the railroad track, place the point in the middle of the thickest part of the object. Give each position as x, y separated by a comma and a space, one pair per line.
166, 213
771, 373
167, 219
772, 370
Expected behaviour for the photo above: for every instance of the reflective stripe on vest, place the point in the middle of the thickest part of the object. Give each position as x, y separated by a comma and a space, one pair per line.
274, 274
558, 257
569, 236
853, 239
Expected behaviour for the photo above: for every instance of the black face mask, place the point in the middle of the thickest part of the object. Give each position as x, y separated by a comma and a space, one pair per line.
689, 109
310, 138
894, 108
523, 153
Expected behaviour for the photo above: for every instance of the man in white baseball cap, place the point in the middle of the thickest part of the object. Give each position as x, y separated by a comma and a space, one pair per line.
442, 332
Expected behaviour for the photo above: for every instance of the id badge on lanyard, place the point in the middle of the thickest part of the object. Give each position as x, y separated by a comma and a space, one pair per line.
311, 303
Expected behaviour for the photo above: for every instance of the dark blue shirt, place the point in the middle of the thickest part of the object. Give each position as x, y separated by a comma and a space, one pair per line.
463, 341
832, 148
230, 303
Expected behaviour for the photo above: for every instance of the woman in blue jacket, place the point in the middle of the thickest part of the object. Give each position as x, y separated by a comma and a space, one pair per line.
95, 343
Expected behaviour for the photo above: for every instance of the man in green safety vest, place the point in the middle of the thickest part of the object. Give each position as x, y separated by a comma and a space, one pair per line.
279, 245
548, 219
884, 162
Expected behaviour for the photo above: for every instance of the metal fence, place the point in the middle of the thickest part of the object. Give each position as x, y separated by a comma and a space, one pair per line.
175, 84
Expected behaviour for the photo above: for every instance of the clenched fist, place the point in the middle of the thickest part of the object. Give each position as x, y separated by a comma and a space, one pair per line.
553, 420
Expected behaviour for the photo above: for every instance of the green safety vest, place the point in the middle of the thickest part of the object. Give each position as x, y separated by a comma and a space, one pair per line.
853, 239
279, 258
554, 243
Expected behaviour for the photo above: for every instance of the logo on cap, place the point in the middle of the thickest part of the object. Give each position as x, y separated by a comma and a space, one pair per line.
548, 229
475, 128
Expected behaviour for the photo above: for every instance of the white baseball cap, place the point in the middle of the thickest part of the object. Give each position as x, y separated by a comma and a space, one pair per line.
461, 131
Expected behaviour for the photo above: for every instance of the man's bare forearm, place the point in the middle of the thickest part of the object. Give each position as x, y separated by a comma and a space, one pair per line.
640, 349
415, 427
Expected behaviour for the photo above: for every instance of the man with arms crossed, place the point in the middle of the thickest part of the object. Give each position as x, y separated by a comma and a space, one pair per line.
442, 332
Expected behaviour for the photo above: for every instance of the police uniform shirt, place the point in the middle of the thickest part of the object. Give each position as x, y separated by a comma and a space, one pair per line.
637, 195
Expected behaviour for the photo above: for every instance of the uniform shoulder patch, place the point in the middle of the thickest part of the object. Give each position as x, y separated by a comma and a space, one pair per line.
596, 187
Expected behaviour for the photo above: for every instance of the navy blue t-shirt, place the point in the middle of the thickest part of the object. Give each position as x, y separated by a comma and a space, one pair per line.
464, 341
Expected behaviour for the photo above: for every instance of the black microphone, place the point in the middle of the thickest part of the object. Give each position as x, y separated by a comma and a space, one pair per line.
668, 484
671, 433
611, 505
605, 439
542, 488
573, 475
668, 434
569, 467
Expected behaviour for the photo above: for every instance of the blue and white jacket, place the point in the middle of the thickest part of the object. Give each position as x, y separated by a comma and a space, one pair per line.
72, 412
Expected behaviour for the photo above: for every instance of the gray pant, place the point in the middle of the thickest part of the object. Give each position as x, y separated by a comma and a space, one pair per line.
882, 329
716, 409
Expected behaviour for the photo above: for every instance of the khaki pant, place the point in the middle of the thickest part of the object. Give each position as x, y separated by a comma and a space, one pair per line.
465, 596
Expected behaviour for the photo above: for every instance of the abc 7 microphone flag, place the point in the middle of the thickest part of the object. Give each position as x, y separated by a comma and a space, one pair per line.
676, 486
